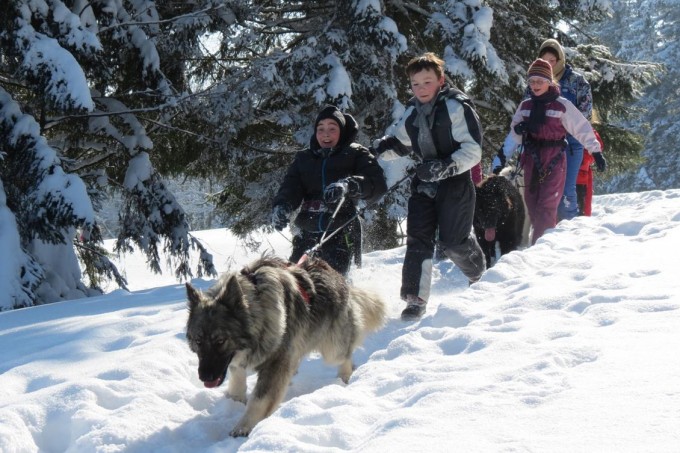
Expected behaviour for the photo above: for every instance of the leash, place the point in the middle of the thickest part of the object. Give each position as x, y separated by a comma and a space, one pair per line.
515, 174
330, 222
311, 252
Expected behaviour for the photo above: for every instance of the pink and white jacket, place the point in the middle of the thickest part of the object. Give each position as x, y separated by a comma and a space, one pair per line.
562, 117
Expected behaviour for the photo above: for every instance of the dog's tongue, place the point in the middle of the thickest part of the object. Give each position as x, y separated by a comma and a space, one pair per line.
490, 234
212, 384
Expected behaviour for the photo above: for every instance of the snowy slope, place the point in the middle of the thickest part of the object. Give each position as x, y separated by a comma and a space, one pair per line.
570, 345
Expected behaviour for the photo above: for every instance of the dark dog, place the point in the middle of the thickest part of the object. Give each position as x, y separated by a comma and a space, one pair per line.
517, 179
499, 216
268, 317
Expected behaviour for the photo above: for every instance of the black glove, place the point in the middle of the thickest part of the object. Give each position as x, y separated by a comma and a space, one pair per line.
436, 169
600, 162
280, 215
501, 157
521, 127
348, 187
380, 145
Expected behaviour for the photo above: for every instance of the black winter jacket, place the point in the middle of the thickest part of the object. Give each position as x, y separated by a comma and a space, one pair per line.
314, 168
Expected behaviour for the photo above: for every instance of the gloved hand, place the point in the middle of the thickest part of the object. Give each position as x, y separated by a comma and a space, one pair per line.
436, 169
600, 162
499, 161
280, 215
388, 142
347, 187
521, 127
379, 146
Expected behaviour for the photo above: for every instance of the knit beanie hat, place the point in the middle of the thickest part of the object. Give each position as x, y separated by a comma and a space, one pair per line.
540, 68
331, 112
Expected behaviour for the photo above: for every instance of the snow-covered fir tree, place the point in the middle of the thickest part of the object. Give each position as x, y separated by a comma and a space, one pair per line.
650, 30
85, 89
41, 206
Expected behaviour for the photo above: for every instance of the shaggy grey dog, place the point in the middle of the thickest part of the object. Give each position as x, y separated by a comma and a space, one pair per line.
268, 317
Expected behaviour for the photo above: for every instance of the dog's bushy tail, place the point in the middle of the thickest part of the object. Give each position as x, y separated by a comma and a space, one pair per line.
370, 307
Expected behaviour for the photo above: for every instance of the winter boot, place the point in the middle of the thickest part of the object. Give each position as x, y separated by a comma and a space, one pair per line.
415, 308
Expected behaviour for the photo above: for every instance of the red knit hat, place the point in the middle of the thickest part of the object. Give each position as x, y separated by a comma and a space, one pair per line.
540, 68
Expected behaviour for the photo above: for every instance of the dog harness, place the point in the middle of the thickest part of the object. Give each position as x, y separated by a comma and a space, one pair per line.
253, 279
304, 294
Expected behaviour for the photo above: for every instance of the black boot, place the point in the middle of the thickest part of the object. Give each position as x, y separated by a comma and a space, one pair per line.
415, 308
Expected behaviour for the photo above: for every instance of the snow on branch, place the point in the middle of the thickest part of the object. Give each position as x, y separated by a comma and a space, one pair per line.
62, 77
52, 187
137, 139
151, 216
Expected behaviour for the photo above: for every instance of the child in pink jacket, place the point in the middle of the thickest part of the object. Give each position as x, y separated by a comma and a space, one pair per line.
541, 124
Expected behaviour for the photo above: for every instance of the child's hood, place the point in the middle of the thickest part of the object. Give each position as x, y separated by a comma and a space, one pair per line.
347, 136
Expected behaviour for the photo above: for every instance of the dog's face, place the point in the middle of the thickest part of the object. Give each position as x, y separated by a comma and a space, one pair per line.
488, 210
492, 203
217, 329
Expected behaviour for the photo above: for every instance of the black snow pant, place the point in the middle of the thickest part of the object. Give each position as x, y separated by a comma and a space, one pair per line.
336, 251
451, 211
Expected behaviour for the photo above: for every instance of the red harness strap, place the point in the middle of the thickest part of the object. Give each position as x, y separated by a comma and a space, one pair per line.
303, 291
304, 294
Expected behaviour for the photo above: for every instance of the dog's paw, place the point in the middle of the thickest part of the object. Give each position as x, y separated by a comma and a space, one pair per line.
241, 431
241, 398
345, 371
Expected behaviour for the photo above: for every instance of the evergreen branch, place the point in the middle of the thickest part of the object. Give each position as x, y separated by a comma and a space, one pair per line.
84, 246
162, 21
85, 6
91, 162
484, 104
58, 119
5, 80
286, 24
178, 129
303, 7
538, 17
268, 151
416, 9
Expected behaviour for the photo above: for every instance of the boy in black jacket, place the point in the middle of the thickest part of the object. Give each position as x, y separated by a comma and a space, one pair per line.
332, 171
442, 129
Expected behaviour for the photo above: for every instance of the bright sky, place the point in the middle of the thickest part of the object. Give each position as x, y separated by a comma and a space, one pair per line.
570, 345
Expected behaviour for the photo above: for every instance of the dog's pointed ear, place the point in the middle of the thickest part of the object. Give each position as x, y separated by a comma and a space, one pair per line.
193, 296
231, 295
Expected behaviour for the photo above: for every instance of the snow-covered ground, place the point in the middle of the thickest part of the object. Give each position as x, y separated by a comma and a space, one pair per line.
570, 345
